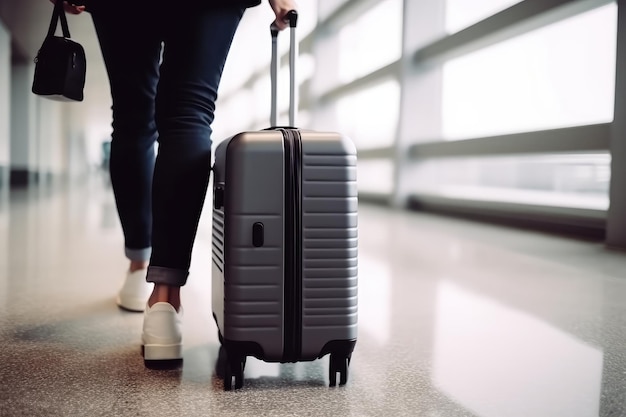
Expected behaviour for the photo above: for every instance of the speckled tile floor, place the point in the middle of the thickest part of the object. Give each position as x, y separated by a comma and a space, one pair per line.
456, 319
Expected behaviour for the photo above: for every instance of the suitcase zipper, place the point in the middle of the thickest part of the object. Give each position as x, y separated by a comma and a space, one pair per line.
293, 247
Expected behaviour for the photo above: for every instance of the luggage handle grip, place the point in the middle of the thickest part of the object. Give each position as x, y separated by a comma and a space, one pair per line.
292, 18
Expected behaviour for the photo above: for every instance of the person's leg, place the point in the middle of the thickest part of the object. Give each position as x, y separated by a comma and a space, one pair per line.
196, 44
131, 54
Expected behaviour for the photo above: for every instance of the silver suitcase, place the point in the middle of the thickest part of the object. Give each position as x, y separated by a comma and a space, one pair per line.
284, 274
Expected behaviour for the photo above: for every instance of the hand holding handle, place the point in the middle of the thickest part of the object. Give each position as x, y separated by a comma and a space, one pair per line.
290, 19
281, 9
72, 8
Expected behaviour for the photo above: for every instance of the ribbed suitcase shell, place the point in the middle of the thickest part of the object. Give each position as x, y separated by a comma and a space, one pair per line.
248, 282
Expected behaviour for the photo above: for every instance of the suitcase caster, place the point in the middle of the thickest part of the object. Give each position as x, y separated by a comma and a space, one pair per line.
339, 364
233, 376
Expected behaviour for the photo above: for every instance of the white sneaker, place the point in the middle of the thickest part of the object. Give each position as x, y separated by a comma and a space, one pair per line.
162, 332
135, 291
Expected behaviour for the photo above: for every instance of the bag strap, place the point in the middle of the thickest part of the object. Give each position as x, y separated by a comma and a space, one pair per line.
58, 13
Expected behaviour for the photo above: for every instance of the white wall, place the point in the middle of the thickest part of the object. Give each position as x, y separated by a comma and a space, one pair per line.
5, 100
23, 127
38, 130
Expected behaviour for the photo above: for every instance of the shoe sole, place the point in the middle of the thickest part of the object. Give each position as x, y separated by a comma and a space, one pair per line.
167, 365
162, 352
137, 306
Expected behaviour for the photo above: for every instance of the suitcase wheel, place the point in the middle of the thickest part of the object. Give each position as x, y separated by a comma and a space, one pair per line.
234, 372
339, 364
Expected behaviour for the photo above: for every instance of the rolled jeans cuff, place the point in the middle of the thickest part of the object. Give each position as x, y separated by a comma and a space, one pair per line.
138, 254
167, 276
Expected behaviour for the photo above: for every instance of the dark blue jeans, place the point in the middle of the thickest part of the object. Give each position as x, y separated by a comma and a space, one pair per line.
164, 66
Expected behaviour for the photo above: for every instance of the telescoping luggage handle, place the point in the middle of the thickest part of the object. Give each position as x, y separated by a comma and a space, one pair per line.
292, 18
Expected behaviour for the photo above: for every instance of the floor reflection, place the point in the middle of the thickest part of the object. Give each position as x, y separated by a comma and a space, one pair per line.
498, 361
375, 299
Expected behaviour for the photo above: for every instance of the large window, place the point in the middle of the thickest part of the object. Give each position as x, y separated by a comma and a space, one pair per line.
327, 7
358, 47
463, 13
370, 42
557, 76
572, 181
561, 75
370, 117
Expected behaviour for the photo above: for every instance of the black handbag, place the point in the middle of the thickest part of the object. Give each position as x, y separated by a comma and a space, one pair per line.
60, 65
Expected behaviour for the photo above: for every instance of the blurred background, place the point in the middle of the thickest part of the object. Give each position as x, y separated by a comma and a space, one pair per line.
467, 115
498, 109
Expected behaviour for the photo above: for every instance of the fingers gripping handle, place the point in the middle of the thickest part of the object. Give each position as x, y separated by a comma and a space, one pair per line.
292, 18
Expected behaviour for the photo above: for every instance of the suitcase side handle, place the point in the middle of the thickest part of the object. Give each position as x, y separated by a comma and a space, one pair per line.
292, 18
